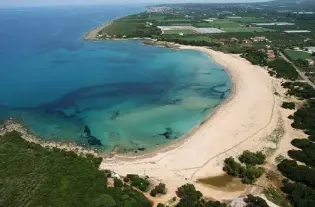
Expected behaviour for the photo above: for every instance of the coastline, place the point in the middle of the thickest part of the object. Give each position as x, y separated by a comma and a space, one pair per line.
12, 125
241, 122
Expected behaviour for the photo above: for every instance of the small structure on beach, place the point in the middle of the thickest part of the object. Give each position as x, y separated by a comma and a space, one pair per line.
311, 62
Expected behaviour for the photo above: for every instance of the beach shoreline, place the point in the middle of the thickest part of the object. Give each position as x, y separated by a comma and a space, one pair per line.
241, 122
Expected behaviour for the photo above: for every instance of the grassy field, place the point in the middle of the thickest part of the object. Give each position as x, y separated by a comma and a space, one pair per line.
246, 29
224, 23
179, 31
294, 55
31, 175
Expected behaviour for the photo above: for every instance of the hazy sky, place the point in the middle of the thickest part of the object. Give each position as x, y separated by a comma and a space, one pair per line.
80, 2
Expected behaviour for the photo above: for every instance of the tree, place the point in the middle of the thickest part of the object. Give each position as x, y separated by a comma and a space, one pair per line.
104, 201
288, 105
118, 183
153, 192
189, 196
251, 158
214, 204
255, 201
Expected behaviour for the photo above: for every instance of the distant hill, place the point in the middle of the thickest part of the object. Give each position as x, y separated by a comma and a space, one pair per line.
290, 2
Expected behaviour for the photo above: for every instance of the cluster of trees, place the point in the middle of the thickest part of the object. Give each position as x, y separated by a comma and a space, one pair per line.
159, 189
249, 173
298, 173
304, 118
282, 69
288, 105
255, 201
256, 57
190, 197
36, 176
252, 158
299, 89
300, 189
136, 181
299, 194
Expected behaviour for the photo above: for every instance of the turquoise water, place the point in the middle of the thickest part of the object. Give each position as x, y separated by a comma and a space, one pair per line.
100, 94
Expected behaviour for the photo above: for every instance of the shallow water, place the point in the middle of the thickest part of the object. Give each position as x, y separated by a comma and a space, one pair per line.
109, 93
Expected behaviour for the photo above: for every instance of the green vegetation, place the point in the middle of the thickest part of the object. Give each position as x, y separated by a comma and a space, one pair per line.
159, 189
252, 158
299, 89
295, 55
36, 176
176, 32
304, 117
299, 194
249, 173
247, 29
138, 182
276, 197
118, 183
190, 197
298, 173
255, 201
129, 27
307, 152
283, 69
256, 57
288, 105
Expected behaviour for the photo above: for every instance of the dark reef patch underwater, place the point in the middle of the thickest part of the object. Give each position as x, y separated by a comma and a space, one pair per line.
100, 94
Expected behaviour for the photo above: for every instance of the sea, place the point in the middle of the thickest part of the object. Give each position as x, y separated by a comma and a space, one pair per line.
103, 95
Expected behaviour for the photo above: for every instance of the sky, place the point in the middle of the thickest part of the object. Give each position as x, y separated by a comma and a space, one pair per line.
9, 3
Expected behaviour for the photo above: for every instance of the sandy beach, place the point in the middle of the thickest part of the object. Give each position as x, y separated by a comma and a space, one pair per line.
243, 122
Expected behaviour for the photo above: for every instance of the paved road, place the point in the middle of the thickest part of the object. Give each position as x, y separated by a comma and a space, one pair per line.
299, 72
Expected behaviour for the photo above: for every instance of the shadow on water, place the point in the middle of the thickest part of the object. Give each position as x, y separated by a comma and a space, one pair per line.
224, 183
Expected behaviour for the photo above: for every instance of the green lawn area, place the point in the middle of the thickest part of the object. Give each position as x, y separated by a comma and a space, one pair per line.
31, 175
246, 29
179, 31
294, 55
221, 23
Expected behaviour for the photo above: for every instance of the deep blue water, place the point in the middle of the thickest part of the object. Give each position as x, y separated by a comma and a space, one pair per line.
117, 92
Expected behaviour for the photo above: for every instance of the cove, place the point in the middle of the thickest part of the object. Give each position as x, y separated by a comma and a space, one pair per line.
101, 94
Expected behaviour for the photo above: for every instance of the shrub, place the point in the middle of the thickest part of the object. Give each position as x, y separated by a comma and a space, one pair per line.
288, 105
126, 180
118, 183
153, 192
